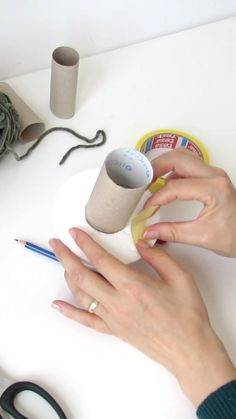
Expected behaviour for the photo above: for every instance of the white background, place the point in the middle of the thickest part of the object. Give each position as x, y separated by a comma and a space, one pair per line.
185, 81
31, 29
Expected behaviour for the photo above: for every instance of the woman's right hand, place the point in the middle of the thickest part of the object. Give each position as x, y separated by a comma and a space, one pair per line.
191, 179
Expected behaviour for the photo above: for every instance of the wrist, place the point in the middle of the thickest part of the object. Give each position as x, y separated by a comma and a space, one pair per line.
207, 368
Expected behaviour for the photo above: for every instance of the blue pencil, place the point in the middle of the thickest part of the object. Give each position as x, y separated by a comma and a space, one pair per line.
37, 249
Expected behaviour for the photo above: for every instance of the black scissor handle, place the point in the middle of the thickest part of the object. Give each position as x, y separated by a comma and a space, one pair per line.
7, 398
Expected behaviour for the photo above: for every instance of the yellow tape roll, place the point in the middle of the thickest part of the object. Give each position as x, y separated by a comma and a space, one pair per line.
156, 142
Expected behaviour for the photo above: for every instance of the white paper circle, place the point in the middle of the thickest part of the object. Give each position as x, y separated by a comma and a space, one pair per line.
69, 211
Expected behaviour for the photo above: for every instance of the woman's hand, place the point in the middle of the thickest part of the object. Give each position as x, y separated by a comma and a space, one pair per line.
163, 317
191, 179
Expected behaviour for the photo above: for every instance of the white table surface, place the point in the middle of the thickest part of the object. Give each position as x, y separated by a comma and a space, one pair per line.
185, 81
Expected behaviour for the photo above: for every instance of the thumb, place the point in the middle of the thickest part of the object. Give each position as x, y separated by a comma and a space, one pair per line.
189, 232
164, 264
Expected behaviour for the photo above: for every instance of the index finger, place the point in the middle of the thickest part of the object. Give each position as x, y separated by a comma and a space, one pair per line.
182, 163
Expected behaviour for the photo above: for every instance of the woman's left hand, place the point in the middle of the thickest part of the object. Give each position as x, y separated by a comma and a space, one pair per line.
163, 317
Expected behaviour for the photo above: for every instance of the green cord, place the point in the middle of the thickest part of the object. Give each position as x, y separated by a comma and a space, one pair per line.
10, 130
81, 137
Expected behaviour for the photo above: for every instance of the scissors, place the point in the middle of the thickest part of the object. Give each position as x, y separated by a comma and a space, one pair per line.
10, 389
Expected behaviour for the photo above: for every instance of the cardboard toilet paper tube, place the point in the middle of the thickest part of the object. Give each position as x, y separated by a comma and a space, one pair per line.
31, 125
64, 76
124, 176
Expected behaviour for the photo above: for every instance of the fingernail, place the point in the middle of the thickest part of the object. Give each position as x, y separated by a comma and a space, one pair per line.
56, 306
143, 244
73, 233
52, 243
151, 234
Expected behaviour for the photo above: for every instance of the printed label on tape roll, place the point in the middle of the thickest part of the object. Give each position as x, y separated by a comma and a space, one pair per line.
155, 143
160, 143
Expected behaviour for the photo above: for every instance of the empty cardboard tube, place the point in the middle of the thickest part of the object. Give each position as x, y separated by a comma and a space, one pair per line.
31, 125
124, 176
64, 76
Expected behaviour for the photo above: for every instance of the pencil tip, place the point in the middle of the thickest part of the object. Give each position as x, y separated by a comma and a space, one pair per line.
16, 240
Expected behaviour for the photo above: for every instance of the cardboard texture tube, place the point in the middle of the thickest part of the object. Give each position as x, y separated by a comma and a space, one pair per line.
64, 76
124, 176
31, 125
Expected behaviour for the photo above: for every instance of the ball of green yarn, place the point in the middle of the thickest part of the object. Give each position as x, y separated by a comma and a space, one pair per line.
9, 125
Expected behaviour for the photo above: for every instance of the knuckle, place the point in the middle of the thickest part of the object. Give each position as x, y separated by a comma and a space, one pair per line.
76, 274
157, 252
121, 313
206, 237
98, 259
169, 189
117, 311
135, 294
171, 235
219, 172
119, 308
182, 151
224, 182
173, 186
58, 251
170, 185
136, 290
132, 288
78, 297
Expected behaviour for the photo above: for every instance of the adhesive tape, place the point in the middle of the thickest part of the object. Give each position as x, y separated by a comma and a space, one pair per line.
140, 221
157, 142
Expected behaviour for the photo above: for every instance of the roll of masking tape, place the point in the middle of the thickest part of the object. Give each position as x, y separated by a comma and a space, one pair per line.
157, 142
